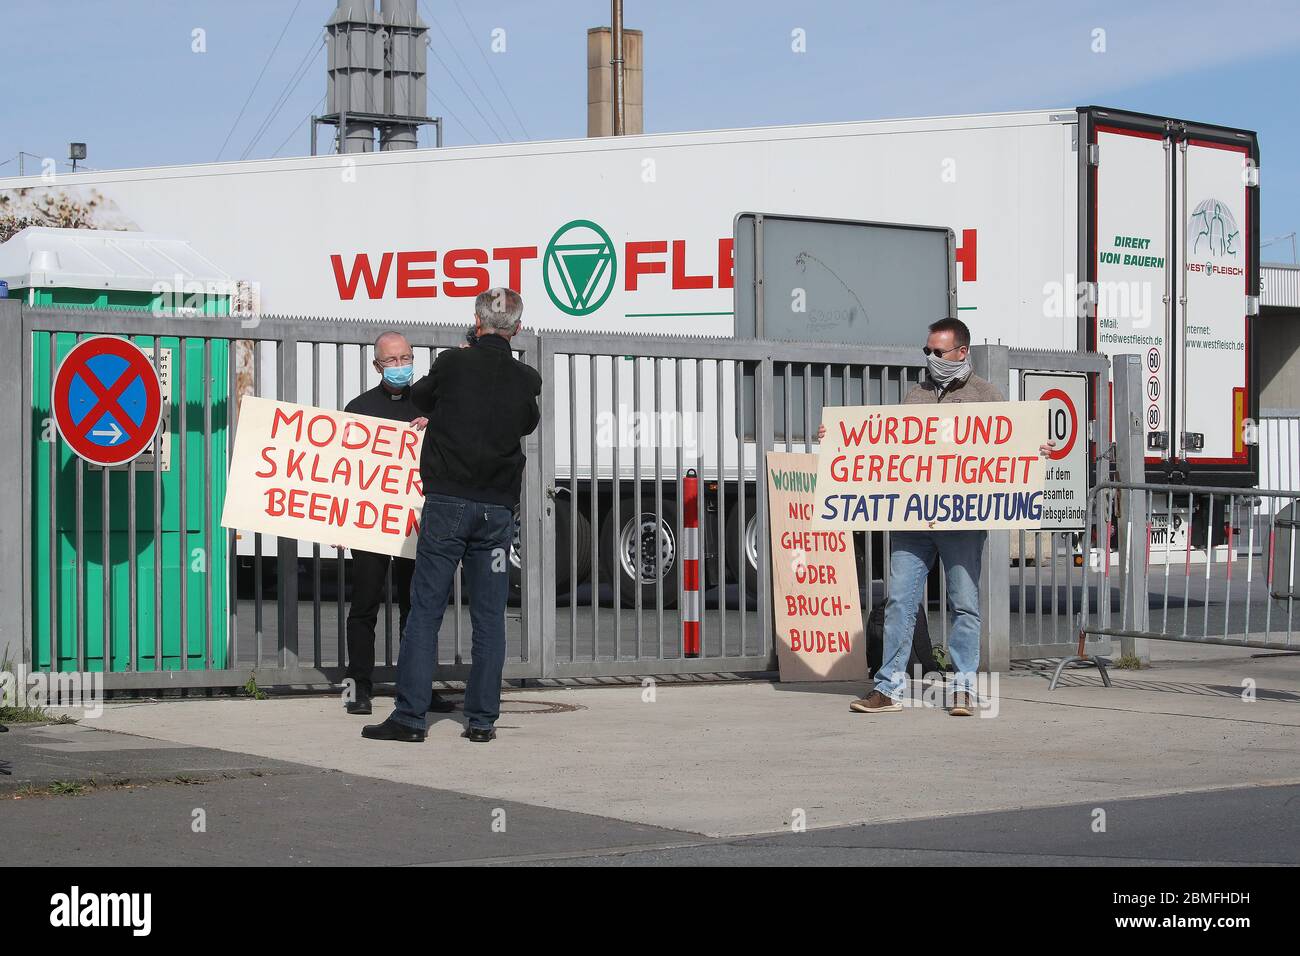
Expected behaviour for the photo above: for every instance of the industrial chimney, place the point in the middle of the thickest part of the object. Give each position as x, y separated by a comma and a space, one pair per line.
376, 76
602, 80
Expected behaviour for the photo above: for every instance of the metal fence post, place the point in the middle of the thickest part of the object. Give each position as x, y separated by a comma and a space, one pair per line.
286, 585
766, 434
1130, 466
543, 557
15, 509
992, 363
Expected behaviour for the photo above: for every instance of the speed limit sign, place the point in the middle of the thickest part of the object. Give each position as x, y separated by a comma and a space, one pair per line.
1065, 485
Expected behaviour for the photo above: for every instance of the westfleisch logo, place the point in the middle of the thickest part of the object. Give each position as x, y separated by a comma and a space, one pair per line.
78, 909
580, 267
1212, 238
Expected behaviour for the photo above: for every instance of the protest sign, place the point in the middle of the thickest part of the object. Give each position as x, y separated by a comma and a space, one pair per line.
320, 475
819, 629
932, 468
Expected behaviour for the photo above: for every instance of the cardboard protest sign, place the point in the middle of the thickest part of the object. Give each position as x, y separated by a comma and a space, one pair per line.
326, 476
819, 628
932, 467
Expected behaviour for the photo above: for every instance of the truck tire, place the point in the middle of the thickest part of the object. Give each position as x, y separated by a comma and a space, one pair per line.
751, 546
633, 561
563, 528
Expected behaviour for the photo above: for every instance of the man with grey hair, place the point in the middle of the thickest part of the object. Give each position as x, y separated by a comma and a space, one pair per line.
480, 403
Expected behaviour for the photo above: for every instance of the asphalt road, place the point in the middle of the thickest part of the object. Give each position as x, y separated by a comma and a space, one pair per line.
147, 795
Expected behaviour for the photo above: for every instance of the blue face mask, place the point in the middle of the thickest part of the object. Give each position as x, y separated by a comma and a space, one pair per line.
399, 376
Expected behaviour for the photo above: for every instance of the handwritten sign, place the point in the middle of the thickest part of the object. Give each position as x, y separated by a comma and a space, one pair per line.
814, 581
931, 467
320, 475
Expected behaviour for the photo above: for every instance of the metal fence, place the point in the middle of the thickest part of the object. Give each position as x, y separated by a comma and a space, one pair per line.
1202, 589
1188, 563
1278, 435
597, 589
272, 609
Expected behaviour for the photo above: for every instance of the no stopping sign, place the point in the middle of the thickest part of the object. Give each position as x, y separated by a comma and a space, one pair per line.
107, 400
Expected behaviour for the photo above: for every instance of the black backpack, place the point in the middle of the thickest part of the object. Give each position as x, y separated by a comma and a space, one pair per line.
922, 651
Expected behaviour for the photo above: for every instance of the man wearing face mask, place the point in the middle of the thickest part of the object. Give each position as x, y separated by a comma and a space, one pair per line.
391, 399
949, 380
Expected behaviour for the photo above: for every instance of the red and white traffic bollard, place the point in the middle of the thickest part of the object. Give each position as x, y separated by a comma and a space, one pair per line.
690, 565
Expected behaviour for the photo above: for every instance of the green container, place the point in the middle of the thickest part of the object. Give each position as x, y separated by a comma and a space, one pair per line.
181, 555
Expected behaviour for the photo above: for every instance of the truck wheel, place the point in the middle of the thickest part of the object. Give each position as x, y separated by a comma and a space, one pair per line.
563, 519
631, 553
751, 547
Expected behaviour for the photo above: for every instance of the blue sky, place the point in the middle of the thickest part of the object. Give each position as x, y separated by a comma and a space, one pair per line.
125, 80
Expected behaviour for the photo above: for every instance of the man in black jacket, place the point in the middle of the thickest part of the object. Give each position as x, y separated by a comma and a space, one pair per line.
480, 403
391, 399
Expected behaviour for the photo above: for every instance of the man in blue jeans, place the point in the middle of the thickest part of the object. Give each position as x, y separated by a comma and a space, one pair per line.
949, 380
480, 402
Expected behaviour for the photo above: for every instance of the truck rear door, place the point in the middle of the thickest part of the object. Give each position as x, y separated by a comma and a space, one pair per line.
1170, 253
1131, 195
1217, 217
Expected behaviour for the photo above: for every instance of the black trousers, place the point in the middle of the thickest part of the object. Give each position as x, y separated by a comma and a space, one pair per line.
369, 575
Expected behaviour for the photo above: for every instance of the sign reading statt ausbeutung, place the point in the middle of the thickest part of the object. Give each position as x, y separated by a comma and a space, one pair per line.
325, 476
932, 467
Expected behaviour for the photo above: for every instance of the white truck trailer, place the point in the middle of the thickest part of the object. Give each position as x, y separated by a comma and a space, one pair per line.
1078, 228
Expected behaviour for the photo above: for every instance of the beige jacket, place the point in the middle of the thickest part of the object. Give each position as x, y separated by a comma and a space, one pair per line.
974, 389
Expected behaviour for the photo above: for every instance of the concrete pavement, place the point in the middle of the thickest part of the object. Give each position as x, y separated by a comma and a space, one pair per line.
726, 760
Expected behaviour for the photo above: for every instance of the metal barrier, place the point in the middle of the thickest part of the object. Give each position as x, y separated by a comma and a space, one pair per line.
597, 592
1265, 587
1278, 434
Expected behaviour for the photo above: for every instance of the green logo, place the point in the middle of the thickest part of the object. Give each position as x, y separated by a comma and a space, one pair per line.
579, 271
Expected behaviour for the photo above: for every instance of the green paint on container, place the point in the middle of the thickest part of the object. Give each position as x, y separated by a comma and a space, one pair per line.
188, 553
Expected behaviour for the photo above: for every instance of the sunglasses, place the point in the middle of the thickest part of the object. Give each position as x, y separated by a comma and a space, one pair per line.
927, 351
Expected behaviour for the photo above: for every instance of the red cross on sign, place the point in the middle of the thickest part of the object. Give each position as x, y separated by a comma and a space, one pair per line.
107, 400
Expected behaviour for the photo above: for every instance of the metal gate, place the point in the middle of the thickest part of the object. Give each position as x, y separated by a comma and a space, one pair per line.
598, 590
652, 410
223, 607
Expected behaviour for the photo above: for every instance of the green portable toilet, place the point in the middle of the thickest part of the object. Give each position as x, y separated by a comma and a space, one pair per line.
101, 269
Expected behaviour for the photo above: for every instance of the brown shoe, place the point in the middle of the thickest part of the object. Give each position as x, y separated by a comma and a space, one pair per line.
961, 705
875, 703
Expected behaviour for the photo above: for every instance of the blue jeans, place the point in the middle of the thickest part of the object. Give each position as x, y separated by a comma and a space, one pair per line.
911, 555
476, 536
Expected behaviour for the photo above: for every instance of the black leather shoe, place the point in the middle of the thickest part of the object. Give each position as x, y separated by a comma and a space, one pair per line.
480, 735
359, 706
392, 730
440, 705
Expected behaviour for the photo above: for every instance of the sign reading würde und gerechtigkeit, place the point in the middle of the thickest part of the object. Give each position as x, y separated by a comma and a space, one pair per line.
962, 467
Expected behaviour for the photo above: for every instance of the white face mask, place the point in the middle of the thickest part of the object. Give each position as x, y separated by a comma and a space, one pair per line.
944, 373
